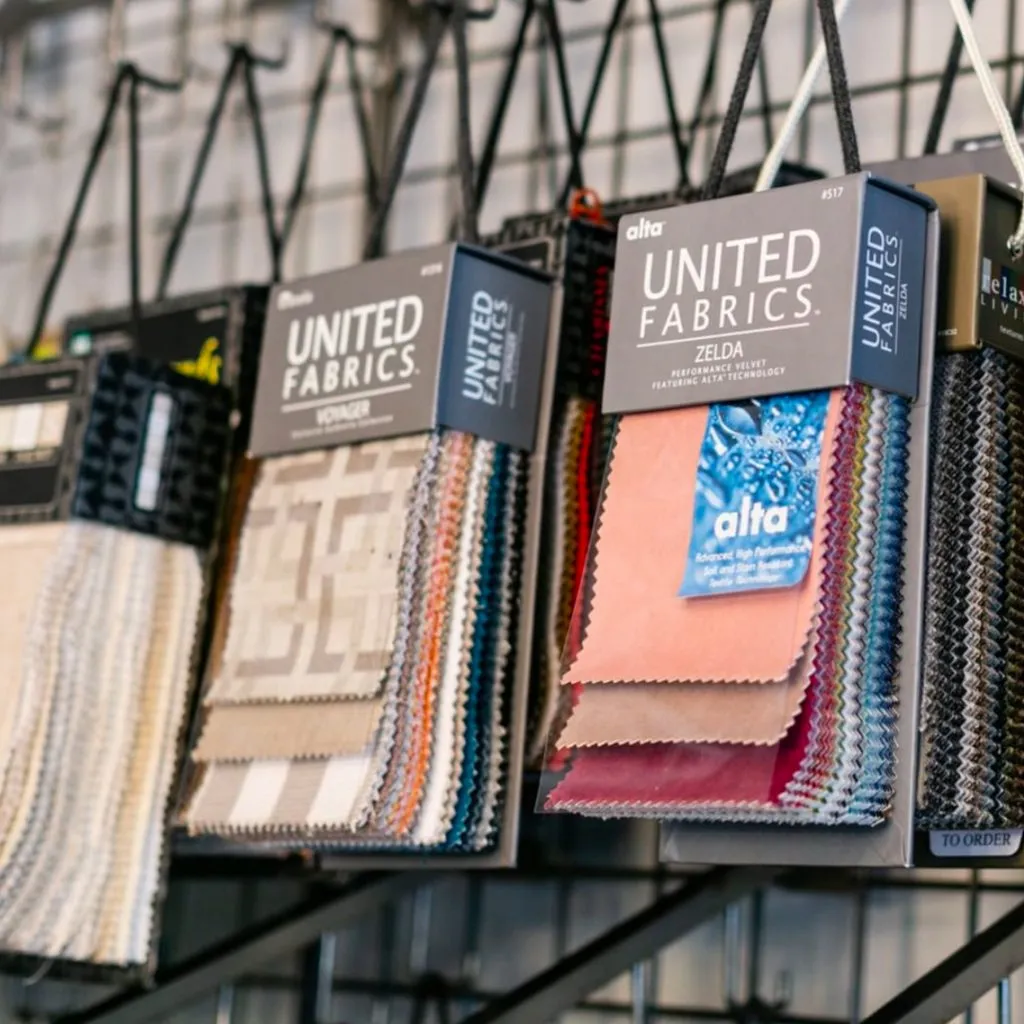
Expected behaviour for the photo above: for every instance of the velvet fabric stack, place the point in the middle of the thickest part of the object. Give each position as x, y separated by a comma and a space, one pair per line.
359, 698
761, 706
573, 475
972, 732
99, 645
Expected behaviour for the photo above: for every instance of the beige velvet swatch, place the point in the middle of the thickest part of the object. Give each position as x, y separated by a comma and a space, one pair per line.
620, 713
252, 732
639, 629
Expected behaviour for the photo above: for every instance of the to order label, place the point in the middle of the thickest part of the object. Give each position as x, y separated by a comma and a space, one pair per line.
976, 843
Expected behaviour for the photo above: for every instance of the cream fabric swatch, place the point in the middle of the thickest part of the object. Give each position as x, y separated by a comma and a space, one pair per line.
86, 799
25, 553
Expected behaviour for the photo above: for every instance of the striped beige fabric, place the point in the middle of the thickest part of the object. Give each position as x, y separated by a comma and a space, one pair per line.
314, 597
280, 794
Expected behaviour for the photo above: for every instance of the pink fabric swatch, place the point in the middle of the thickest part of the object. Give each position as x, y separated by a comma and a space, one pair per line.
638, 629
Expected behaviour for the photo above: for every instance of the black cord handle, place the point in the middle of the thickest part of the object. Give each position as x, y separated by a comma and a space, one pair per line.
242, 62
489, 150
127, 81
731, 121
840, 93
701, 110
547, 10
468, 227
443, 17
681, 139
403, 140
840, 86
338, 35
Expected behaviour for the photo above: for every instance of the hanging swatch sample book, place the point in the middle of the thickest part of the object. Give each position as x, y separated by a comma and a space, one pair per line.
740, 620
359, 694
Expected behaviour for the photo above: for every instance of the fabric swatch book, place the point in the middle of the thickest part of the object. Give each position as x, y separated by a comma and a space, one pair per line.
113, 481
366, 688
740, 655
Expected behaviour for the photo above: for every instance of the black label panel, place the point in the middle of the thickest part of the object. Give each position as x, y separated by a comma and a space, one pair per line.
40, 413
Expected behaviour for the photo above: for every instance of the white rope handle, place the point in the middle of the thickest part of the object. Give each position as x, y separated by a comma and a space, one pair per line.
996, 104
797, 109
802, 99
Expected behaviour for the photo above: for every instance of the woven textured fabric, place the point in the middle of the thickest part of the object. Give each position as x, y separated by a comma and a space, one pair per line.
972, 739
25, 553
92, 755
429, 773
573, 475
832, 758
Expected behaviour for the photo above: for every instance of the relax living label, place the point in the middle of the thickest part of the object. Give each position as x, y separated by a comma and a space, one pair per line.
806, 287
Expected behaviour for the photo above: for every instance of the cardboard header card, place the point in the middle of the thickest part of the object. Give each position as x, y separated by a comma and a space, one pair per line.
449, 336
116, 439
811, 286
200, 335
41, 411
982, 301
991, 161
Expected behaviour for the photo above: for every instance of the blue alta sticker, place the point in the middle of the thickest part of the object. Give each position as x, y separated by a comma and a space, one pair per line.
757, 492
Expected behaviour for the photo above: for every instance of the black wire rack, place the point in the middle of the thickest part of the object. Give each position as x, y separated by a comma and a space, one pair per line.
625, 96
650, 122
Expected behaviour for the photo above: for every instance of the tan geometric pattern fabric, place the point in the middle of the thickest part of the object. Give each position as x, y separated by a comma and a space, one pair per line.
315, 592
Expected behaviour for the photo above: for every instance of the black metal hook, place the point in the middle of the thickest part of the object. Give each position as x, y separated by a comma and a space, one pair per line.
242, 63
260, 60
128, 81
546, 8
680, 143
451, 16
432, 989
482, 13
338, 35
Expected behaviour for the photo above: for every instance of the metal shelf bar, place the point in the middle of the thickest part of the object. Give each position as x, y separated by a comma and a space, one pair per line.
952, 986
566, 983
281, 934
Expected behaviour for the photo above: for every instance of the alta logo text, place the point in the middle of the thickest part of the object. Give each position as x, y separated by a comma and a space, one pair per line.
752, 520
645, 229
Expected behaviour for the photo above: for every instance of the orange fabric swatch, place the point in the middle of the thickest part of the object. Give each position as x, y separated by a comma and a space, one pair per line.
639, 629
